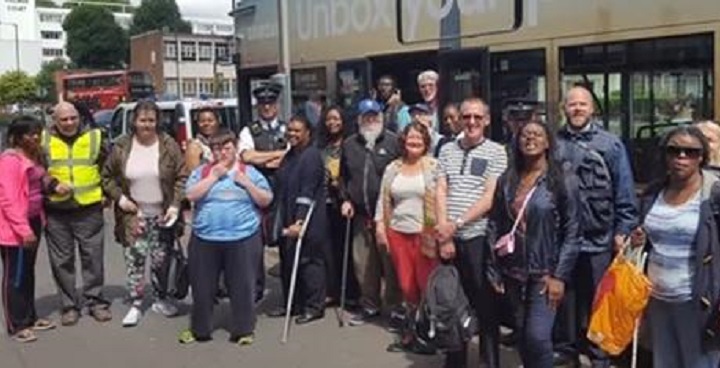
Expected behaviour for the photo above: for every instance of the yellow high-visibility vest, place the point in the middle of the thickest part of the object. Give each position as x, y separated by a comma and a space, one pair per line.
76, 166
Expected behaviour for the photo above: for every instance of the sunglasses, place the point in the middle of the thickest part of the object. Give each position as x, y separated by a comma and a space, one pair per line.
690, 152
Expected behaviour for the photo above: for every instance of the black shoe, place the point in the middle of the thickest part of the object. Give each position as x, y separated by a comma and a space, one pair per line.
509, 340
397, 323
309, 317
280, 312
565, 360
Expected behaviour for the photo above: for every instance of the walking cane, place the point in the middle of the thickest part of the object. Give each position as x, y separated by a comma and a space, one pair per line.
293, 277
343, 287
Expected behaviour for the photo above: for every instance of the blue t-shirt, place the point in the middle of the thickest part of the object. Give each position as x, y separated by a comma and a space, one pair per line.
226, 212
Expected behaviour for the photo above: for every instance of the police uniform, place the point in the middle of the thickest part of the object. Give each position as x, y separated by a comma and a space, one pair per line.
265, 136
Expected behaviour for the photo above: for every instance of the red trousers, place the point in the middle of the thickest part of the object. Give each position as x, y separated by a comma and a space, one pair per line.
412, 267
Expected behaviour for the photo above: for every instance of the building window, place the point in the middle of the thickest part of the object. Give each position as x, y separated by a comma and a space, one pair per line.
51, 18
207, 87
189, 87
222, 52
52, 52
51, 35
223, 28
171, 87
170, 50
205, 51
188, 51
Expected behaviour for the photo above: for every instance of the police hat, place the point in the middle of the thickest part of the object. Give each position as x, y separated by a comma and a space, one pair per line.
521, 105
267, 93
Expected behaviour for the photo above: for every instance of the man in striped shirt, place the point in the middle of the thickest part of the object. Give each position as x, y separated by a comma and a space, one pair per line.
469, 170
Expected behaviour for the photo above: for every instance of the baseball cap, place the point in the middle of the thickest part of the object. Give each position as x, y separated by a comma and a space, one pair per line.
420, 107
368, 106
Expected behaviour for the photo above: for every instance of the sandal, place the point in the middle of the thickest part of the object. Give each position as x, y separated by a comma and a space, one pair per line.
25, 336
43, 325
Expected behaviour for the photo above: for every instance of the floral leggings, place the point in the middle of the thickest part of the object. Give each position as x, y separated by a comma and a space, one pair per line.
147, 244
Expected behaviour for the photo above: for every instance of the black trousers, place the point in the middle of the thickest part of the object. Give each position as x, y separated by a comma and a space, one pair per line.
18, 284
334, 252
470, 261
311, 288
237, 260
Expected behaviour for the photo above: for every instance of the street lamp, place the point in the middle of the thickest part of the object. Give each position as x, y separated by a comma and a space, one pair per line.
17, 43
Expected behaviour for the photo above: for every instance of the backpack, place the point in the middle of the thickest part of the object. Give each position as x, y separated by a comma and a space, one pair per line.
207, 169
445, 319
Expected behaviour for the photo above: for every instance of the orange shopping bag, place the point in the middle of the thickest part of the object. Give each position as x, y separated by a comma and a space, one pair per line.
620, 300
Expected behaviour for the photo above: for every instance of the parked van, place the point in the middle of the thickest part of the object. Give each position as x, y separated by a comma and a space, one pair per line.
177, 118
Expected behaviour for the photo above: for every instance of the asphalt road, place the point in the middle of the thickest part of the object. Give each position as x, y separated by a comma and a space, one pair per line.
153, 343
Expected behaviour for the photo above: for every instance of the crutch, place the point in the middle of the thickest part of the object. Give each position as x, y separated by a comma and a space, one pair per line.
343, 286
293, 276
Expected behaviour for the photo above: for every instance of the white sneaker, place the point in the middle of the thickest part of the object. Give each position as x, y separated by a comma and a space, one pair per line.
165, 308
132, 318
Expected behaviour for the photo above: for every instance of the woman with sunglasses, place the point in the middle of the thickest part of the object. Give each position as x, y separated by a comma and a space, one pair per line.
680, 231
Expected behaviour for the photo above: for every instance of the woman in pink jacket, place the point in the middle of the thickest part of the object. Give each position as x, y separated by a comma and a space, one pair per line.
21, 217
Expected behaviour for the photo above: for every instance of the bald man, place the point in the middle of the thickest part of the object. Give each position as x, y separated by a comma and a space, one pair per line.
600, 161
74, 206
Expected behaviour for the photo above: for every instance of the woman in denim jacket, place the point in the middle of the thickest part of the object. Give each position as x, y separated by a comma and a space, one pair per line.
534, 273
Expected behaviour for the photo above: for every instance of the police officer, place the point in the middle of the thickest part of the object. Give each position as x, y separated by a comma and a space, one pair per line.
517, 112
263, 145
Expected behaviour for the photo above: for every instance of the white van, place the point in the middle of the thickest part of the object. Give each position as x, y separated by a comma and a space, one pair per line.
177, 118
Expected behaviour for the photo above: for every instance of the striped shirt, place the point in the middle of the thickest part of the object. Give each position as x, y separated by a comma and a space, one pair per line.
672, 229
467, 172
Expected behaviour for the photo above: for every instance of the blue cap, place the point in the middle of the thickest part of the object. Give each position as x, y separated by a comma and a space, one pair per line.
420, 107
369, 106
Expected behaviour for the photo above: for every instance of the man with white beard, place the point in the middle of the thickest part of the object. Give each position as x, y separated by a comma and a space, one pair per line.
364, 158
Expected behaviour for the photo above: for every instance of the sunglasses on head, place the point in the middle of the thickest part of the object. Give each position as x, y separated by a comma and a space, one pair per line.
677, 151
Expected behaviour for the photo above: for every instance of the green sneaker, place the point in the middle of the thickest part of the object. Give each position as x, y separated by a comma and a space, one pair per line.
186, 337
246, 340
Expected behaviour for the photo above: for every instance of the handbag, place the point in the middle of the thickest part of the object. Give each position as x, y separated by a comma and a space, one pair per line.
506, 244
174, 276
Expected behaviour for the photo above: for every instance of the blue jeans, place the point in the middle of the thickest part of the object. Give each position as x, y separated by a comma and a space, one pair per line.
676, 336
534, 320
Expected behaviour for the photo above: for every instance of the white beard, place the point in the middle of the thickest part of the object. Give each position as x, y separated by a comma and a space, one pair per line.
370, 134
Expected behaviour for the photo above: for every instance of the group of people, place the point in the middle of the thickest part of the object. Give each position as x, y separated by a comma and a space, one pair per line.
531, 225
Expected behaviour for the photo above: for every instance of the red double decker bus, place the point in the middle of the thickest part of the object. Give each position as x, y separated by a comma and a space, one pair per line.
106, 89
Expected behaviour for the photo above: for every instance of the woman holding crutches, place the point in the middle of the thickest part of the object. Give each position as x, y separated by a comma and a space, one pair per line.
331, 134
300, 186
225, 238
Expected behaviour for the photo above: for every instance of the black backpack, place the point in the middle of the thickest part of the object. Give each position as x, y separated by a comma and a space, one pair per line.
445, 319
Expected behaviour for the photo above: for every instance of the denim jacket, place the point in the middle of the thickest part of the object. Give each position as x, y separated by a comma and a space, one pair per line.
606, 184
551, 241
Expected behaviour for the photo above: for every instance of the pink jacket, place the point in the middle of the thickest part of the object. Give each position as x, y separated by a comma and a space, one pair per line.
14, 199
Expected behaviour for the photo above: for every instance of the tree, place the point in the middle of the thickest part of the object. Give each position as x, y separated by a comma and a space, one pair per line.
15, 87
94, 39
45, 80
158, 14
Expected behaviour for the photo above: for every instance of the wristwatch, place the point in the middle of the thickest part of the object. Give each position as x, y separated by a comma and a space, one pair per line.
459, 223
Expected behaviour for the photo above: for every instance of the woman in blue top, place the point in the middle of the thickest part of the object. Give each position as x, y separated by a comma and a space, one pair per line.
225, 238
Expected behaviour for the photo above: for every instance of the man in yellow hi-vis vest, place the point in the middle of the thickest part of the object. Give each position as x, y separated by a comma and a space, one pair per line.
75, 155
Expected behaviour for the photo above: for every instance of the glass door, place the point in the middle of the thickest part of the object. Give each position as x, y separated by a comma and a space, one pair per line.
353, 82
463, 74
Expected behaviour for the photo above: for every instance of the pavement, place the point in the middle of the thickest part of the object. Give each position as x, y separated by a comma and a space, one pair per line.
153, 344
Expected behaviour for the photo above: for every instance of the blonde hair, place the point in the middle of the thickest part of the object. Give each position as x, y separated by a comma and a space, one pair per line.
711, 127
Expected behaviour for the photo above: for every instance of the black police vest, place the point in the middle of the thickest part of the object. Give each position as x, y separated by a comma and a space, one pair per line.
265, 140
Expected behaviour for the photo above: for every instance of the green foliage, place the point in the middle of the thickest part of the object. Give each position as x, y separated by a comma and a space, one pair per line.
16, 86
45, 79
157, 15
94, 39
46, 4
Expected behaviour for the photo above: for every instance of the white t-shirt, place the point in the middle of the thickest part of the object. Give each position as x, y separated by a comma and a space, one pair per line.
143, 174
408, 196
